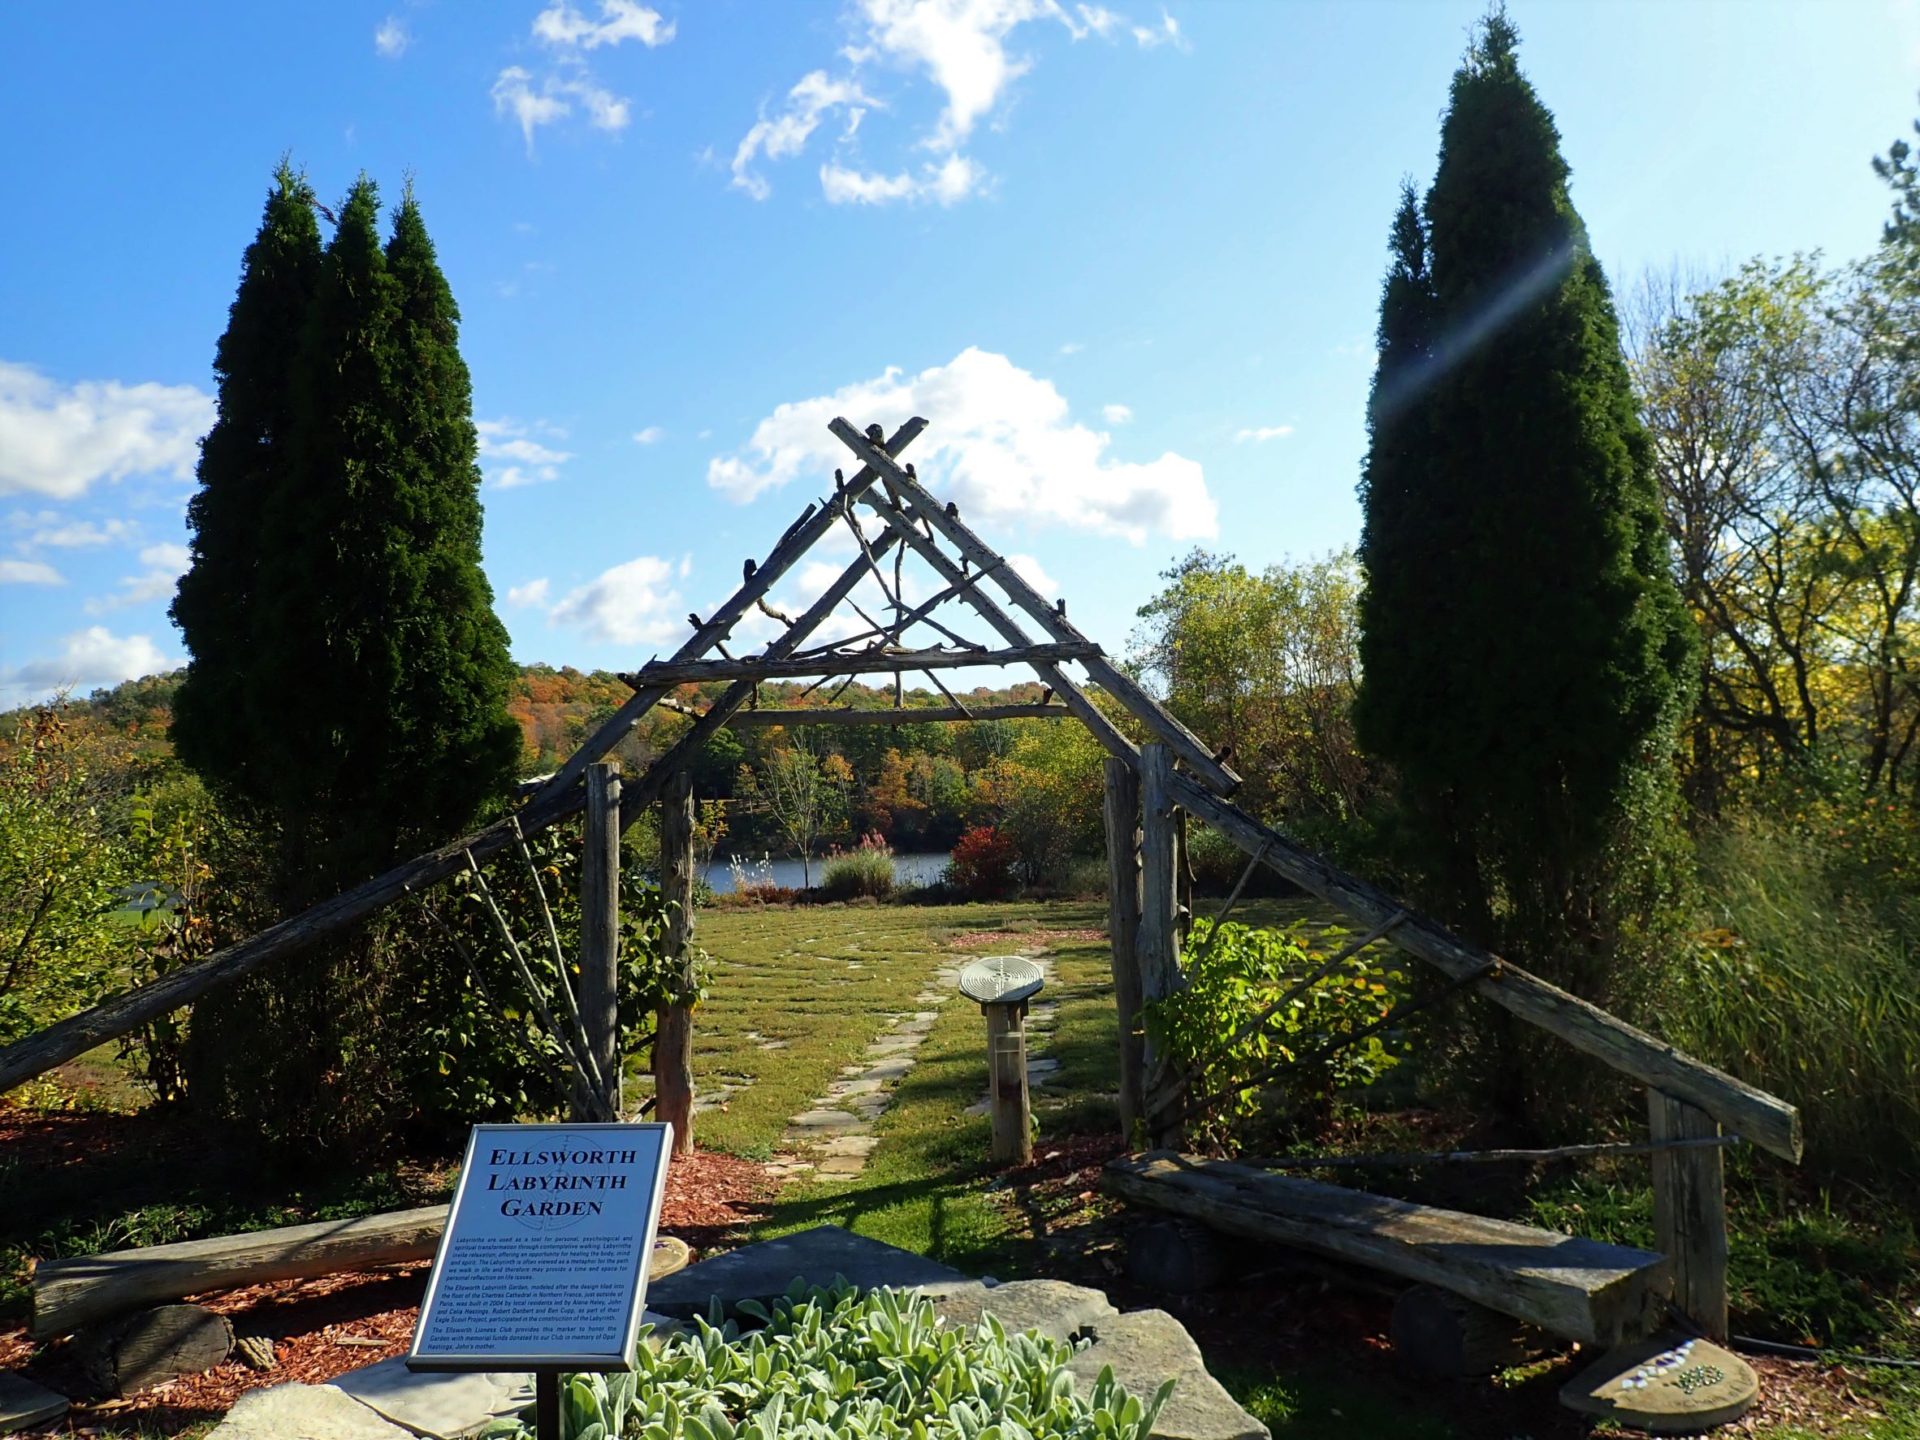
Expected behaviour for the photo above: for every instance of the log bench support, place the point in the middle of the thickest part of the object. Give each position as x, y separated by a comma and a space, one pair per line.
1690, 1212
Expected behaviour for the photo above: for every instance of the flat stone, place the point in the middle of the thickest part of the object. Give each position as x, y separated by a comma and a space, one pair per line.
1149, 1347
865, 1085
1668, 1385
445, 1406
861, 1145
23, 1403
895, 1068
824, 1120
764, 1271
842, 1167
311, 1412
1052, 1307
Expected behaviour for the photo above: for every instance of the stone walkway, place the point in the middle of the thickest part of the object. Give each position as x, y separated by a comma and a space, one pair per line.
833, 1137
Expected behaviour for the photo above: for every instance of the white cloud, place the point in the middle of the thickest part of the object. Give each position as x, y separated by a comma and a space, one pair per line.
631, 604
514, 94
29, 572
1031, 571
652, 435
786, 134
1259, 434
1001, 445
1167, 32
570, 81
1116, 414
48, 529
88, 659
512, 457
165, 565
391, 39
963, 48
58, 440
563, 26
1072, 347
534, 592
946, 183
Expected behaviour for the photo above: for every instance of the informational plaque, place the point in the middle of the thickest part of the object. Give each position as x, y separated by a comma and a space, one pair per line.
543, 1265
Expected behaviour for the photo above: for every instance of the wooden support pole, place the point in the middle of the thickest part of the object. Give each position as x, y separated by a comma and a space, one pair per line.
1158, 939
600, 939
1007, 1099
1122, 815
1690, 1211
673, 1035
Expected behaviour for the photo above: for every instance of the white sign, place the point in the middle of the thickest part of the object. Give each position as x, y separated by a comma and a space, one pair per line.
544, 1261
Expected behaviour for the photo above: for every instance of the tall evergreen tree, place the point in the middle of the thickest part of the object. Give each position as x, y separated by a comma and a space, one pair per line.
1524, 644
246, 457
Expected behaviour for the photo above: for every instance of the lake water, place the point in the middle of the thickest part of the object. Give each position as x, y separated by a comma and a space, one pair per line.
922, 869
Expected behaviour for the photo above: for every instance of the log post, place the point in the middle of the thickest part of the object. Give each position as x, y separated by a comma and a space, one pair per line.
1122, 814
1158, 940
673, 1032
1007, 1099
600, 940
1690, 1211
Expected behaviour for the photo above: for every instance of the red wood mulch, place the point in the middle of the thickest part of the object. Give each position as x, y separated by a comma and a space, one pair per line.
987, 939
326, 1326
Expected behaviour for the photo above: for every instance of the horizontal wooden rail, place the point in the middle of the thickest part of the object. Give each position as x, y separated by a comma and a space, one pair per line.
1764, 1119
742, 719
859, 662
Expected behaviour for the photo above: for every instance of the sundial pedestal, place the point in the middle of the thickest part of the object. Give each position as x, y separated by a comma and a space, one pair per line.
1003, 984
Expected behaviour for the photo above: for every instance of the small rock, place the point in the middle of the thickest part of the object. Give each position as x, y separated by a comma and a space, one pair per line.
256, 1352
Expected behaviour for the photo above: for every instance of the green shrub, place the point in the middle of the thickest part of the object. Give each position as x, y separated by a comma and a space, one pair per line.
865, 870
1215, 1027
827, 1364
1805, 980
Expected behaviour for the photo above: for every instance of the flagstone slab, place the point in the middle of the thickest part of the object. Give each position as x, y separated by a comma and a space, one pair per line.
446, 1406
310, 1412
1671, 1385
24, 1404
1146, 1348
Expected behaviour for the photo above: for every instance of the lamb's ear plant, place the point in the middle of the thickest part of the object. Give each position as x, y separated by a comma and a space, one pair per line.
825, 1363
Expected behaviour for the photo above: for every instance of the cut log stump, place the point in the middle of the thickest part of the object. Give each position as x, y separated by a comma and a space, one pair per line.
154, 1346
1441, 1336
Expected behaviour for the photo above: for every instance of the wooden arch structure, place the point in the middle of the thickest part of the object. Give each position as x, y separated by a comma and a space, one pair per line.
1148, 788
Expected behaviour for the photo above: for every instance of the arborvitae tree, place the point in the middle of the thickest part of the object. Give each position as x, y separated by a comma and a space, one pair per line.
1524, 644
386, 673
245, 458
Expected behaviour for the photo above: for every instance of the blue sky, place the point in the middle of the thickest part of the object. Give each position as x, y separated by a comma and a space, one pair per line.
1125, 259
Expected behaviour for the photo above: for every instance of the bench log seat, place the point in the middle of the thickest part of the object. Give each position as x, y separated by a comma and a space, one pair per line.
1580, 1289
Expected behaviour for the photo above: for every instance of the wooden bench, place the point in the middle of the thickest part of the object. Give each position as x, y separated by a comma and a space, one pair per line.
1581, 1289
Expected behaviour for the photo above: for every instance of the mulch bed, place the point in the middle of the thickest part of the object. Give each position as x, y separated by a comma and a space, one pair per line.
987, 939
328, 1325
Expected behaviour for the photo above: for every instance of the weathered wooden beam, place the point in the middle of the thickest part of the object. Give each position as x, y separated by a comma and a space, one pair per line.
667, 673
886, 715
68, 1294
922, 506
1582, 1289
600, 941
1690, 1210
1764, 1119
112, 1018
673, 1031
1069, 691
1121, 814
73, 1037
799, 539
1157, 941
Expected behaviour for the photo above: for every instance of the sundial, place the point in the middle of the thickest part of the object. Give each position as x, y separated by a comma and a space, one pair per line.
1001, 980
